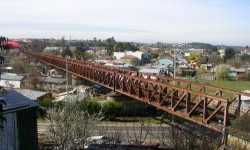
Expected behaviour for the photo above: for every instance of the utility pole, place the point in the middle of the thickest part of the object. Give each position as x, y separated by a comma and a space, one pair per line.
67, 75
174, 63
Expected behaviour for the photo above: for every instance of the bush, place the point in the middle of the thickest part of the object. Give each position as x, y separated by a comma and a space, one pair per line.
45, 103
242, 123
248, 77
112, 109
92, 106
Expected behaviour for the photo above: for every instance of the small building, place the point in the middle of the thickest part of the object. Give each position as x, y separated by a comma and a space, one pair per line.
206, 66
164, 63
192, 50
131, 60
245, 102
239, 73
142, 56
157, 71
52, 84
11, 80
20, 128
35, 95
245, 106
52, 48
222, 52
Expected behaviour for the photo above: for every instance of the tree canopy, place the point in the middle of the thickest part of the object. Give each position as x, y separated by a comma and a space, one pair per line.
66, 52
229, 54
194, 56
221, 71
122, 46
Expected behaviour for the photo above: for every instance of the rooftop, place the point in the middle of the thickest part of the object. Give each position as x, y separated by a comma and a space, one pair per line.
33, 95
16, 101
10, 76
129, 57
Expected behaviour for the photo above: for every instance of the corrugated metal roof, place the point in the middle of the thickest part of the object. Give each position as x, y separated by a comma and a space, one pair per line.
145, 70
33, 95
11, 76
165, 62
16, 101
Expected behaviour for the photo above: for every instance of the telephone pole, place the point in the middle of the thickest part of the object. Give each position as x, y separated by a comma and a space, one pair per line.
67, 75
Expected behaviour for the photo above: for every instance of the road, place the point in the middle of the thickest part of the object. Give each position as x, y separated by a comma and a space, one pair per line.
126, 131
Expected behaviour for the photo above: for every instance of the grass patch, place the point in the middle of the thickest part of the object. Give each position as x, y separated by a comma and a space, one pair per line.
232, 85
42, 120
139, 120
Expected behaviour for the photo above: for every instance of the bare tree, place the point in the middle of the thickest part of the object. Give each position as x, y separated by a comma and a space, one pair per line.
70, 125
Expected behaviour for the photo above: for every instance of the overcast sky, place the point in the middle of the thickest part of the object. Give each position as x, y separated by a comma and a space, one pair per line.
213, 21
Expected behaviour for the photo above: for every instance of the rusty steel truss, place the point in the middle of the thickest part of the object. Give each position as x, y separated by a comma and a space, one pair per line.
207, 105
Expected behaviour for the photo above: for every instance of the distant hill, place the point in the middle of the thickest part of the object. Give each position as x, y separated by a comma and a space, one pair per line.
205, 46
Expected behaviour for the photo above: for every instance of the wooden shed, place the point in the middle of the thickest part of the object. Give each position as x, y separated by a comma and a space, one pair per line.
20, 128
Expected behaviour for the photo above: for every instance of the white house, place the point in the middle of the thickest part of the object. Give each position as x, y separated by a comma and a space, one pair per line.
52, 48
222, 52
192, 50
138, 54
11, 80
245, 101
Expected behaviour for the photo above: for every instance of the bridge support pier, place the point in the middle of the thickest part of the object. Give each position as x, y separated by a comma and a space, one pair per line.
224, 138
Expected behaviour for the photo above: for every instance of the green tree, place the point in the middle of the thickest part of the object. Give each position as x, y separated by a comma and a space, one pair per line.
109, 49
71, 125
119, 47
229, 54
20, 66
248, 77
215, 59
245, 58
79, 53
221, 71
67, 52
194, 56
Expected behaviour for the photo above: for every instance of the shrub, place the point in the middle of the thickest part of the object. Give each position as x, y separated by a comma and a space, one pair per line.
45, 103
112, 109
92, 106
248, 77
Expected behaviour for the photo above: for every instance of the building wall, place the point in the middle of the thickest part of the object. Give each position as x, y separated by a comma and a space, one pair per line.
27, 129
8, 136
138, 54
20, 131
9, 83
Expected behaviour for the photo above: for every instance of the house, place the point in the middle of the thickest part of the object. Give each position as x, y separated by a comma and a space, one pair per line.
222, 52
52, 48
192, 50
52, 84
245, 106
130, 60
245, 102
206, 66
164, 63
11, 80
192, 64
246, 51
140, 55
237, 73
20, 128
156, 71
34, 95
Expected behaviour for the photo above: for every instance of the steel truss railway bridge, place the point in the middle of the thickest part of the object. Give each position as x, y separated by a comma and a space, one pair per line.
203, 104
